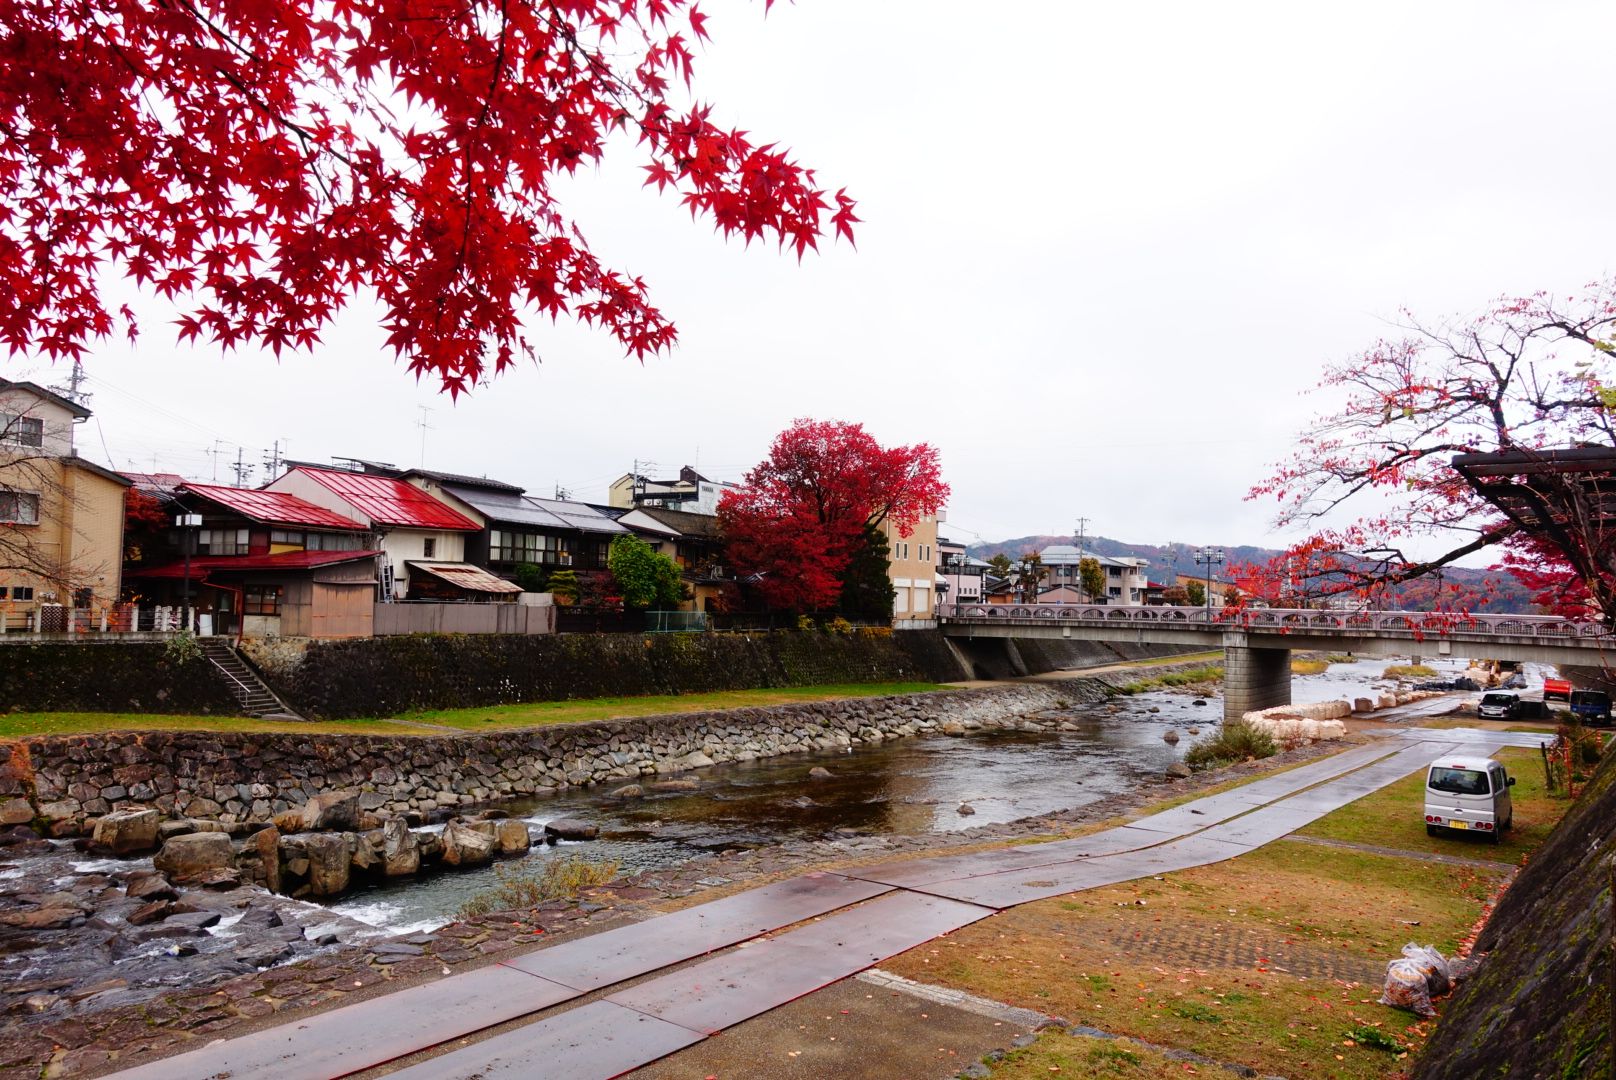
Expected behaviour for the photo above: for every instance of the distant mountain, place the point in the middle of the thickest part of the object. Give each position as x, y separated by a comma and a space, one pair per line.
1501, 591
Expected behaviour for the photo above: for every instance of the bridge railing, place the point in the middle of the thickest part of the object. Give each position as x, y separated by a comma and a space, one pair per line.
1416, 624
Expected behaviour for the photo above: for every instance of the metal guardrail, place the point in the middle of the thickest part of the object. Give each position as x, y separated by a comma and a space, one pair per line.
1417, 624
243, 691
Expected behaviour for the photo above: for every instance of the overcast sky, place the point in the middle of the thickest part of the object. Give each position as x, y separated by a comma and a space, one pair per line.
1106, 247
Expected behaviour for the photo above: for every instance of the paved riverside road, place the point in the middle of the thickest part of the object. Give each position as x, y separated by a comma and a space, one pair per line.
854, 920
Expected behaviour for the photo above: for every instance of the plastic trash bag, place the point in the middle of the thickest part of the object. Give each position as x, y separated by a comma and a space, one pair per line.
1406, 988
1438, 976
1412, 981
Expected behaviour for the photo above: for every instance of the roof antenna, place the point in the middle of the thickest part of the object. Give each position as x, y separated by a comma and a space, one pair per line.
425, 427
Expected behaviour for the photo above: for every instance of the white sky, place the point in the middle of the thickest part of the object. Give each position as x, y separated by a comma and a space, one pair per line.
1105, 248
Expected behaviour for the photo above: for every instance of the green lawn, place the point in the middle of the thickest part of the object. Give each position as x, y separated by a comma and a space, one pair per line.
1393, 817
538, 713
533, 714
23, 725
1113, 957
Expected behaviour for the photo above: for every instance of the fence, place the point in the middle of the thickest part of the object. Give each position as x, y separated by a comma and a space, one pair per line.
59, 619
429, 617
674, 622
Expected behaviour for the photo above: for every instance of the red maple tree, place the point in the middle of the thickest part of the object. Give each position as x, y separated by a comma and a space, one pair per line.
1526, 374
260, 164
802, 512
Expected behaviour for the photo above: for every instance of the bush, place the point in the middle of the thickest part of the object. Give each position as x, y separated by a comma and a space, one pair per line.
517, 889
1409, 671
1231, 743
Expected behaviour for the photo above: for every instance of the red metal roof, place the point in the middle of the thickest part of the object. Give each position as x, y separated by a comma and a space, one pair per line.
385, 501
202, 565
274, 507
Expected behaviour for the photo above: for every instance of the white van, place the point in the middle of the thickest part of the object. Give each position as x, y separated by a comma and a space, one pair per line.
1469, 793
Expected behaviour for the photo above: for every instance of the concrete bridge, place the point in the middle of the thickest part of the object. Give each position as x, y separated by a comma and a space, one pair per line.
1257, 642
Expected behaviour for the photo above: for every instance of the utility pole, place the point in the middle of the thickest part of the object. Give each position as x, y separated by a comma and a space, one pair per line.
243, 470
1082, 522
272, 458
214, 454
74, 390
562, 493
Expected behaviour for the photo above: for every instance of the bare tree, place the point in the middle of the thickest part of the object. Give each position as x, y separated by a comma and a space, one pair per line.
1518, 384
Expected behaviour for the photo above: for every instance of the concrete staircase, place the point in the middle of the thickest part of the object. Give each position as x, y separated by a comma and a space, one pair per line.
255, 698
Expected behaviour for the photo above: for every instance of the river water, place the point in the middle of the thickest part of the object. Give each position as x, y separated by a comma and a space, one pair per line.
899, 787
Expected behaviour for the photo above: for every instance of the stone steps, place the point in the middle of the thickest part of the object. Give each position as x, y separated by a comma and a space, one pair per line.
254, 697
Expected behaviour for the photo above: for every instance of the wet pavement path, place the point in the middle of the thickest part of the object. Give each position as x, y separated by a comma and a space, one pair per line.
856, 919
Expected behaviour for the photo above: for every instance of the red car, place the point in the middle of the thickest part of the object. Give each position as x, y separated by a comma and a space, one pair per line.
1556, 688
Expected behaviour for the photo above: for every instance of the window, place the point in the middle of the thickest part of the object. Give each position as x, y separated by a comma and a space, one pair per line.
505, 546
1114, 591
332, 542
222, 541
261, 600
286, 536
1458, 781
19, 508
429, 548
21, 592
900, 602
22, 430
83, 598
920, 601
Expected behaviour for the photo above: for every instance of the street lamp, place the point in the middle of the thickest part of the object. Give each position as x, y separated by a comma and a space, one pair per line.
1209, 557
188, 525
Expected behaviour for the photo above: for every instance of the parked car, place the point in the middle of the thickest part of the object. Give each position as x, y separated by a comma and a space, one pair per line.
1591, 705
1499, 706
1468, 794
1556, 689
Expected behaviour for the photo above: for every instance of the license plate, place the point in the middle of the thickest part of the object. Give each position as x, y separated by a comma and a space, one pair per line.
1454, 824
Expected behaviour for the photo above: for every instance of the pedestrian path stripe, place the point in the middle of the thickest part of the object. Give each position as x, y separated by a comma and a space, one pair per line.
601, 1039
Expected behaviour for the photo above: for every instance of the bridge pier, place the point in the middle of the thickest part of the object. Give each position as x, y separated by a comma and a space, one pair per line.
1253, 678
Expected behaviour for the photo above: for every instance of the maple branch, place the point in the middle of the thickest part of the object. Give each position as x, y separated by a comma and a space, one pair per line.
482, 120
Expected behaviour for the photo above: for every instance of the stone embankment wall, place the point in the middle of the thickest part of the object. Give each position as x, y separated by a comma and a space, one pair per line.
65, 782
107, 677
386, 676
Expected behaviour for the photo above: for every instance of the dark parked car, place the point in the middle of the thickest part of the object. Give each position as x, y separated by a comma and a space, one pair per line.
1591, 705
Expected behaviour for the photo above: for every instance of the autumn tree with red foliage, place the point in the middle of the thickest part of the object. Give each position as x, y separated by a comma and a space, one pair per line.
802, 514
262, 164
1527, 375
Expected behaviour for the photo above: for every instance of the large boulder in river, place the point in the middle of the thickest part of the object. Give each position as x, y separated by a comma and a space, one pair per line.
512, 837
260, 857
570, 829
124, 832
193, 854
331, 810
329, 855
466, 846
401, 855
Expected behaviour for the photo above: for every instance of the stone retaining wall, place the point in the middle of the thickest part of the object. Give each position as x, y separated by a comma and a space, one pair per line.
227, 776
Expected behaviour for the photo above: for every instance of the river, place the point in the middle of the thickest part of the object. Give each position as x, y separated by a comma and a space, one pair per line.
899, 787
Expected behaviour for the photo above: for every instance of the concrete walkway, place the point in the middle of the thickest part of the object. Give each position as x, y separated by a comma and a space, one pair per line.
856, 919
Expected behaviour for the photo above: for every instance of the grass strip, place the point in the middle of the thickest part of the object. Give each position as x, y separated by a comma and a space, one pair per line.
531, 714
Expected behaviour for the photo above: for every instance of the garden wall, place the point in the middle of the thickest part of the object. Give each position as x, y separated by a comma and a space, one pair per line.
387, 676
107, 677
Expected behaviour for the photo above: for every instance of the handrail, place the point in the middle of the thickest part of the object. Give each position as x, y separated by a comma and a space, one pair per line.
1284, 620
243, 690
